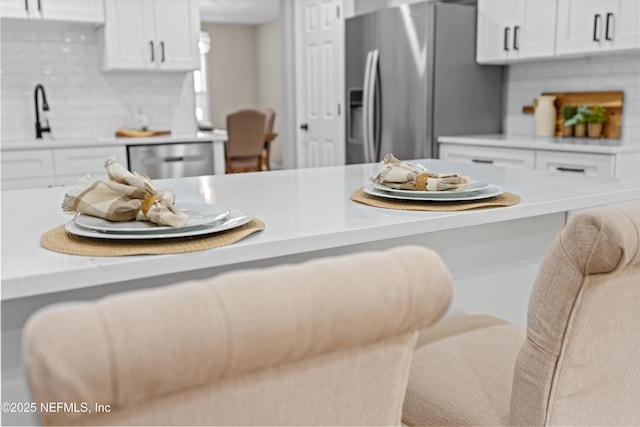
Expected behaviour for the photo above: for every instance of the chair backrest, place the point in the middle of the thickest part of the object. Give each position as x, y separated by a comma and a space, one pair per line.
245, 130
270, 120
580, 364
324, 342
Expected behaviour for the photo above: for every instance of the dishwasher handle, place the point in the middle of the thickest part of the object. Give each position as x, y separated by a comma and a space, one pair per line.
174, 159
171, 159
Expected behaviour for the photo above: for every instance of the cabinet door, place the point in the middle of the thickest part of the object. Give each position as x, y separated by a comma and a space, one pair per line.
494, 30
507, 157
61, 10
71, 164
177, 31
534, 29
577, 163
129, 35
18, 9
622, 24
27, 169
581, 26
74, 10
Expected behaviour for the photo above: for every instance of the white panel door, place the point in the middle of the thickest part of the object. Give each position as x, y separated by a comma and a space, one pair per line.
177, 32
320, 83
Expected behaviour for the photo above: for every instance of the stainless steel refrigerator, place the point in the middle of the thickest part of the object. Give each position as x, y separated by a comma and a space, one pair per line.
411, 76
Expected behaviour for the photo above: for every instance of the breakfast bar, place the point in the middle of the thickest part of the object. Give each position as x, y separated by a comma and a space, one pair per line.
492, 253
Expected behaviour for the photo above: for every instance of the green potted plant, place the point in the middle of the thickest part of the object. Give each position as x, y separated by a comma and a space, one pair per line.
568, 111
579, 120
596, 121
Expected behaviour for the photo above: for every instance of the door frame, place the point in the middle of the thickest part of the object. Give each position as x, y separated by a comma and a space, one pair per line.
289, 121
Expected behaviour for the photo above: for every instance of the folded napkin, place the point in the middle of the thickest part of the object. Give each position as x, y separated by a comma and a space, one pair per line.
124, 197
406, 176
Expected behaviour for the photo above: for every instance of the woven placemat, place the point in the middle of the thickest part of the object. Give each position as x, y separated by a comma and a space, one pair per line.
60, 240
504, 199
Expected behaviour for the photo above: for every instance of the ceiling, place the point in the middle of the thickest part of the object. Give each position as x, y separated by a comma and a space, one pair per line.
239, 11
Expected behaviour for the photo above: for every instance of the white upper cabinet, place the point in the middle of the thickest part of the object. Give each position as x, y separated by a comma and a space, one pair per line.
151, 34
594, 26
512, 30
61, 10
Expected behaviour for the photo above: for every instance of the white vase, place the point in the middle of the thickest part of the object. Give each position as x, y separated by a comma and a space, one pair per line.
545, 116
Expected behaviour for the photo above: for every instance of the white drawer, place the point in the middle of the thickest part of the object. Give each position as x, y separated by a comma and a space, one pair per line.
581, 163
27, 164
82, 161
509, 157
24, 183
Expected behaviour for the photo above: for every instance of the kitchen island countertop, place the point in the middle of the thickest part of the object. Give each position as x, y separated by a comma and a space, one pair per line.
304, 210
492, 254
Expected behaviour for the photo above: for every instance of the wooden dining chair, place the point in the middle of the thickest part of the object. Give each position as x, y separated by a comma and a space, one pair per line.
246, 141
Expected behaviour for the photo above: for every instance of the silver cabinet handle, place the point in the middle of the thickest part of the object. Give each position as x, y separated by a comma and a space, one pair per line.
484, 161
565, 169
153, 55
162, 51
515, 37
26, 5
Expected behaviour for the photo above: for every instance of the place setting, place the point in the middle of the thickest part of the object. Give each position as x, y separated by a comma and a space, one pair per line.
127, 215
408, 186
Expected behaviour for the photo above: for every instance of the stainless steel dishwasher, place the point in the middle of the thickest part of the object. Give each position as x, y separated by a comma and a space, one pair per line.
171, 160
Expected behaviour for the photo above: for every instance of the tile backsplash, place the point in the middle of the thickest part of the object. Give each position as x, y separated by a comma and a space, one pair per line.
84, 101
524, 82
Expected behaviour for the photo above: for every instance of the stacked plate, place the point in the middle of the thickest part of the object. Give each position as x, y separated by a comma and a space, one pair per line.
476, 190
203, 219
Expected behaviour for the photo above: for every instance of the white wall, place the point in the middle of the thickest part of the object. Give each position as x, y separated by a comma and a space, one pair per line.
233, 69
245, 72
85, 102
524, 82
270, 80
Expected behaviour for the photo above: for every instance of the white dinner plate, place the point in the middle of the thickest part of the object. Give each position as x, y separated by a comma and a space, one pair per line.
235, 219
490, 191
472, 188
199, 214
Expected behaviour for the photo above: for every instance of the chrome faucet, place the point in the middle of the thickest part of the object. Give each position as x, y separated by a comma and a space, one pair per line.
45, 107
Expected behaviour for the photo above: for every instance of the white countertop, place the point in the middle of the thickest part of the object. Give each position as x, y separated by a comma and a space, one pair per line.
582, 145
52, 142
304, 210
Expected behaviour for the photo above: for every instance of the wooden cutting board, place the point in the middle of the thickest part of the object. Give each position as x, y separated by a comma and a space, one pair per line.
134, 133
613, 102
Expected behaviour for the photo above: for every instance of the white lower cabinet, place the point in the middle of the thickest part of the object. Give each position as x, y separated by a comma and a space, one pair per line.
509, 157
615, 165
27, 169
55, 166
74, 163
582, 163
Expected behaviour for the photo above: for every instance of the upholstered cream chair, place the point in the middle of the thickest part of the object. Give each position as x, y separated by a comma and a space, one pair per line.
578, 362
324, 342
